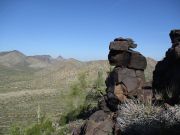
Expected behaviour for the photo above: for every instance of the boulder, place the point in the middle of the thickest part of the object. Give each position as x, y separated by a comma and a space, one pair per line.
175, 36
137, 61
119, 46
99, 123
131, 83
98, 116
102, 104
112, 101
123, 73
120, 93
101, 128
140, 74
124, 82
166, 76
112, 79
129, 40
119, 58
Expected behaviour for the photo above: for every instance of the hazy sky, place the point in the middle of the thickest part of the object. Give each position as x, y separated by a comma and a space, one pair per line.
82, 29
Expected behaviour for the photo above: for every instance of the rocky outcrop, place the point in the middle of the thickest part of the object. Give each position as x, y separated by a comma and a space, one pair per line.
125, 81
99, 123
127, 78
166, 77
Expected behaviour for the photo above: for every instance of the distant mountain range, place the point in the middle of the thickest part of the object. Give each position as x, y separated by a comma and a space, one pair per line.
16, 58
18, 71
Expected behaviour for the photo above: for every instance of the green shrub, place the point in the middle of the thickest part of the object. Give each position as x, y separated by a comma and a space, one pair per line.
80, 101
82, 112
99, 81
15, 130
43, 128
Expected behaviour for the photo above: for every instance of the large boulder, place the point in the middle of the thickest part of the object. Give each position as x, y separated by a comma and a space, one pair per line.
119, 58
128, 41
99, 123
166, 77
138, 61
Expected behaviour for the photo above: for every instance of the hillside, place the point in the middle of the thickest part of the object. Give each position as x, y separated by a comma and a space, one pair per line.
19, 72
29, 81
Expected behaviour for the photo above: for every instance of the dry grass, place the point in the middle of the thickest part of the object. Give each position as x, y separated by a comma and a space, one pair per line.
135, 118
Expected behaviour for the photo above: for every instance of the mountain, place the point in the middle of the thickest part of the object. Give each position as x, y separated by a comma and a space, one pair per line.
30, 81
42, 71
12, 58
45, 58
39, 61
15, 58
60, 58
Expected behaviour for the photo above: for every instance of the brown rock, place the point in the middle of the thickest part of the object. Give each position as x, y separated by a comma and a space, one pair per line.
138, 61
119, 46
102, 104
124, 72
112, 101
111, 79
140, 74
129, 40
98, 116
132, 83
101, 128
119, 58
119, 93
137, 93
99, 123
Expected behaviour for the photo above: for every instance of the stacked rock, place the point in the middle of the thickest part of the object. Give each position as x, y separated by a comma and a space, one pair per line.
125, 81
127, 78
166, 77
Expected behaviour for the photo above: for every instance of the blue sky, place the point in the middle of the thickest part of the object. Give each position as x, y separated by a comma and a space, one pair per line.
82, 29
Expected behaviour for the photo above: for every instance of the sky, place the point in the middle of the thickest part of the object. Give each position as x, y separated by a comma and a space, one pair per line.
83, 29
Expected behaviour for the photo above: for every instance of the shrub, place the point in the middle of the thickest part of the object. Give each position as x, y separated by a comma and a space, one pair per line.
82, 112
97, 90
44, 128
16, 130
80, 101
63, 131
135, 118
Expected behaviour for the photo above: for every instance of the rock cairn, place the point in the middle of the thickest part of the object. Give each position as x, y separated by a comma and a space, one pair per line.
127, 78
166, 77
124, 81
